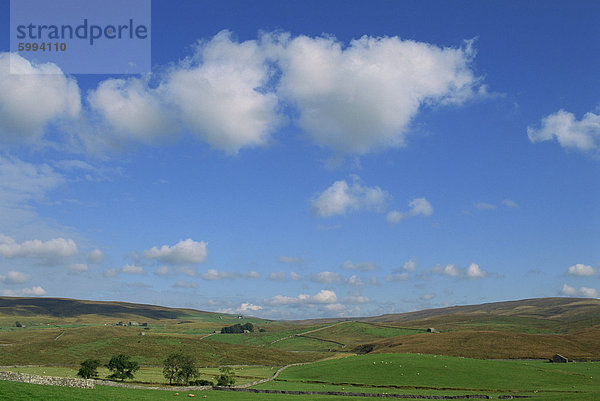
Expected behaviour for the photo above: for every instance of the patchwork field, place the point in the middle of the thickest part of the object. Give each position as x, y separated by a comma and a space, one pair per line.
396, 354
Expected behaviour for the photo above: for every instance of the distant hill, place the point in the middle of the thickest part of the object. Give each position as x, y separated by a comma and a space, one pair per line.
538, 315
68, 308
66, 331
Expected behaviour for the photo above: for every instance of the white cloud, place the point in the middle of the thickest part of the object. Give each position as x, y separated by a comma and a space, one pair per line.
510, 203
218, 93
583, 135
185, 284
362, 266
132, 110
188, 271
582, 292
410, 265
132, 269
77, 268
581, 270
32, 96
341, 198
427, 297
474, 271
326, 277
295, 276
95, 256
355, 281
397, 277
335, 307
22, 182
14, 277
246, 306
356, 299
484, 206
418, 207
51, 251
163, 271
253, 275
213, 274
277, 276
589, 292
394, 217
290, 259
448, 270
112, 272
322, 297
127, 269
362, 97
25, 292
184, 252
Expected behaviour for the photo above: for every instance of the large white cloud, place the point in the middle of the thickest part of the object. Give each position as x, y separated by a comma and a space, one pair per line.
220, 95
363, 96
583, 135
580, 269
53, 250
341, 198
184, 252
231, 94
132, 110
14, 277
586, 292
31, 96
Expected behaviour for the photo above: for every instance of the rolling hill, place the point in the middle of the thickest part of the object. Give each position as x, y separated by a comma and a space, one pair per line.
66, 331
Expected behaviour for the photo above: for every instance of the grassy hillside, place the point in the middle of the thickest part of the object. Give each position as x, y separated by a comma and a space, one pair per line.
65, 331
543, 315
431, 374
583, 344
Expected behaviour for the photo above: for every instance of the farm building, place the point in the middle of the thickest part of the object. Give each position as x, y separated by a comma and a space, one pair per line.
431, 330
560, 359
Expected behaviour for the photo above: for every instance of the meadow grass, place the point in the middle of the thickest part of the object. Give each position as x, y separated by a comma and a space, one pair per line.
12, 391
149, 374
447, 373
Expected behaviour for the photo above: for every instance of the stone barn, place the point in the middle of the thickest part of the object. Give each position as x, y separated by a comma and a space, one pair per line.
560, 359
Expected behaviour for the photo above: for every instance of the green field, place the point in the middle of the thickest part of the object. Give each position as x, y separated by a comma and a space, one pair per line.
393, 372
58, 334
148, 375
381, 373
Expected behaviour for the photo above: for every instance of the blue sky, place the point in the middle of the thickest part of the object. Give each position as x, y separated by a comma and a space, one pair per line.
307, 159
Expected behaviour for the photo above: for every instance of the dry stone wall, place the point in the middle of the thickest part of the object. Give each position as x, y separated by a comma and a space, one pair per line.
47, 380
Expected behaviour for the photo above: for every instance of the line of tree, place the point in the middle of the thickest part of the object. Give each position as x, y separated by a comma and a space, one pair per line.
178, 368
238, 328
121, 367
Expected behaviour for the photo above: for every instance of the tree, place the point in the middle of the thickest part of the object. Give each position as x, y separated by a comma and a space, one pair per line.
226, 378
180, 368
89, 368
238, 328
122, 367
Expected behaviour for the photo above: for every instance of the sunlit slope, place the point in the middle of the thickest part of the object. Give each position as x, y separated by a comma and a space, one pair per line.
541, 315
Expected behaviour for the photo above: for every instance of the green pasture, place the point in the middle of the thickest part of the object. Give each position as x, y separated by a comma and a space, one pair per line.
151, 375
383, 372
11, 391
